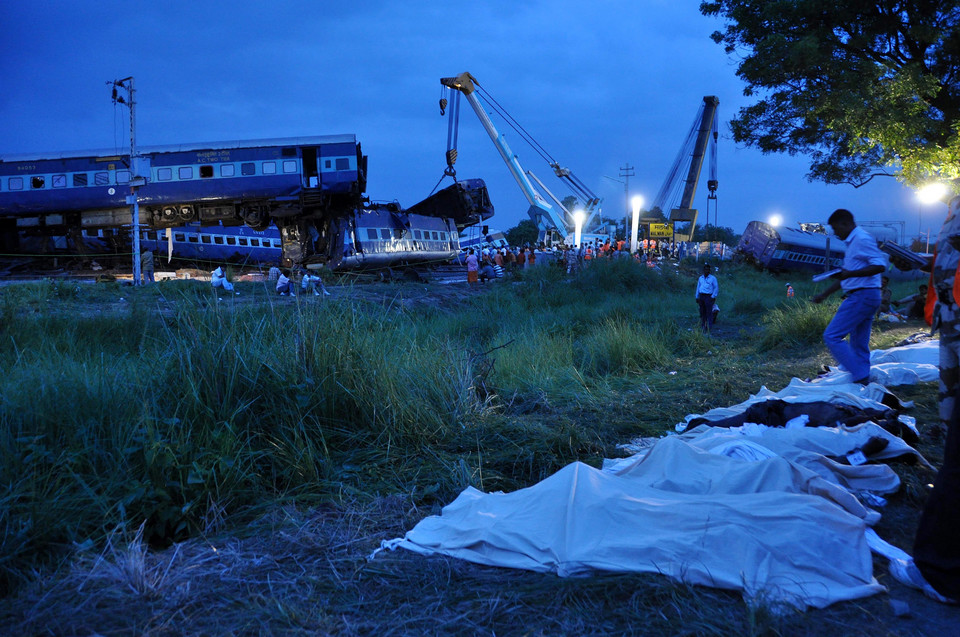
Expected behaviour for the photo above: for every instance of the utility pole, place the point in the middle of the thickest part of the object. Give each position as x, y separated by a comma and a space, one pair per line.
137, 179
626, 172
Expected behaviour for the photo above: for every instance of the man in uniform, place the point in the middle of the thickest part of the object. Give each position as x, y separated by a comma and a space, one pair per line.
707, 290
935, 566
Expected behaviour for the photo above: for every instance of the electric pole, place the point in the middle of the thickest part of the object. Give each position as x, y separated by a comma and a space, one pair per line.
137, 179
626, 172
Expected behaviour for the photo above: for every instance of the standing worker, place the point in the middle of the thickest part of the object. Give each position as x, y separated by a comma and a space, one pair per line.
146, 266
707, 290
473, 268
863, 263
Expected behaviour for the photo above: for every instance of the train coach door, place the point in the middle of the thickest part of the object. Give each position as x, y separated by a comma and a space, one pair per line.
311, 174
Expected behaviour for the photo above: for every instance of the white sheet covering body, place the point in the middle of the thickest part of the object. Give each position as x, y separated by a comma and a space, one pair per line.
782, 534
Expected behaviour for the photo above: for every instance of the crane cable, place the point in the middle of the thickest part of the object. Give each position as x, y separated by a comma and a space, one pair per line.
515, 125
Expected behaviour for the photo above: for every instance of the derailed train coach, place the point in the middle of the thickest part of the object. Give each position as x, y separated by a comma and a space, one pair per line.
289, 181
303, 195
789, 250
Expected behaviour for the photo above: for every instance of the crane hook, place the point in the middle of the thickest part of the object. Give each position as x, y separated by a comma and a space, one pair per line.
443, 106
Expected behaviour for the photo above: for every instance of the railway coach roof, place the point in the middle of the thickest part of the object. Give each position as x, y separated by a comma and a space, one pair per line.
317, 140
809, 239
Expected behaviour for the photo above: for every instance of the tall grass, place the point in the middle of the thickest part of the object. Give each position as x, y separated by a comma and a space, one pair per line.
172, 409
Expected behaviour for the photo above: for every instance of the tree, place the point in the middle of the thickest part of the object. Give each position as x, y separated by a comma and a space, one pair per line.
864, 88
523, 233
722, 234
654, 215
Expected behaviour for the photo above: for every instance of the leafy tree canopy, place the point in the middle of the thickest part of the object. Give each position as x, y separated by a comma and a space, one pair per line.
716, 233
523, 233
864, 88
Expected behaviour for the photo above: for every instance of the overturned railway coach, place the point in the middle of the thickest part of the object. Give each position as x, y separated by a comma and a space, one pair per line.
788, 250
300, 184
375, 237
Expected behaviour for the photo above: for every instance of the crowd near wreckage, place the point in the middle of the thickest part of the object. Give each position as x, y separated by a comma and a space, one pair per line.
294, 200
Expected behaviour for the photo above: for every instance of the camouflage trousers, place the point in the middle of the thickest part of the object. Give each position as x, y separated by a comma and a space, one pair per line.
949, 376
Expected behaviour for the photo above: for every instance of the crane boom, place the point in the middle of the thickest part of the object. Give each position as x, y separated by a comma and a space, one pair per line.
542, 213
694, 150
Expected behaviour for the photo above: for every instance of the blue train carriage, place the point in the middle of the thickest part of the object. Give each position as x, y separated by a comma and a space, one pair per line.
418, 234
789, 250
224, 183
383, 235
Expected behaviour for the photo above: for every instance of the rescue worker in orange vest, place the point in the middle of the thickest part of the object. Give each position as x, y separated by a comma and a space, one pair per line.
789, 291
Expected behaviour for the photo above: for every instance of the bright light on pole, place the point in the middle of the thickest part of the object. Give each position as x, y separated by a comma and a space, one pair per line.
578, 218
776, 220
637, 203
932, 192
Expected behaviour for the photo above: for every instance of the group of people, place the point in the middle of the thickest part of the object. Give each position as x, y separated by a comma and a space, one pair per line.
908, 308
489, 263
310, 282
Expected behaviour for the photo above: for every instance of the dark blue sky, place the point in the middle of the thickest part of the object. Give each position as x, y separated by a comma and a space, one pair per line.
599, 84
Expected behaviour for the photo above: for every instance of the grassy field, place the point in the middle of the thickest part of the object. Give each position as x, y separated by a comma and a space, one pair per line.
291, 435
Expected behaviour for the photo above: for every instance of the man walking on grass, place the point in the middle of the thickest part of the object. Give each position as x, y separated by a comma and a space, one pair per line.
863, 263
707, 290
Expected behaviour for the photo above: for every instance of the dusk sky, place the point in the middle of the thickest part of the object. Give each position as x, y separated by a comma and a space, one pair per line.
599, 84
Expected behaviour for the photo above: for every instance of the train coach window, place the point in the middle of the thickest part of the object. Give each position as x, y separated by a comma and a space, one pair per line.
193, 238
327, 164
101, 179
123, 177
59, 181
276, 243
242, 241
79, 179
289, 166
164, 174
206, 172
269, 168
185, 172
227, 170
204, 238
372, 233
37, 182
218, 240
385, 234
231, 241
15, 183
343, 163
248, 168
254, 243
178, 236
417, 235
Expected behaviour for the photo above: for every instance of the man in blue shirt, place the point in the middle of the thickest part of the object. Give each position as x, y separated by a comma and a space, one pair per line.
863, 263
707, 290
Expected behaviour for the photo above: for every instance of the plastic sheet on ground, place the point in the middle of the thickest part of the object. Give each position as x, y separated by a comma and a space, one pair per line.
769, 511
773, 530
905, 365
